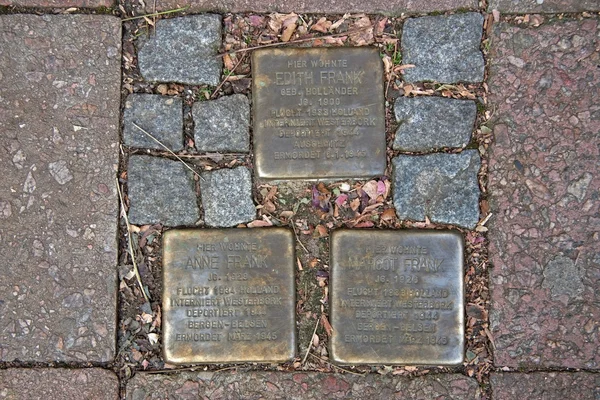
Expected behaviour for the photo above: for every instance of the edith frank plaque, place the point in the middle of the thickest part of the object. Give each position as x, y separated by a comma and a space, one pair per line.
397, 297
228, 295
318, 113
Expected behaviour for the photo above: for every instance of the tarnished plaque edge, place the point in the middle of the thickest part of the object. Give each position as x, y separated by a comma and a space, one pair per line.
261, 174
461, 314
293, 342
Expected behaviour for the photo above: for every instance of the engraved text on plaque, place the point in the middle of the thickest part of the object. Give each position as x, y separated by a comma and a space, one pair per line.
397, 297
228, 295
318, 113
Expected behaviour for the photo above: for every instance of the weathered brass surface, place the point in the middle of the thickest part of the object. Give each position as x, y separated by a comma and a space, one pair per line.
228, 295
397, 297
318, 113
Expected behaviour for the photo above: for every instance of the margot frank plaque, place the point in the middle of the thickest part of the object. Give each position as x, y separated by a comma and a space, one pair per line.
397, 297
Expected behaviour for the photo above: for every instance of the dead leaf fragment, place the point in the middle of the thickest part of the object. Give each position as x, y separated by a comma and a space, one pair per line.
322, 25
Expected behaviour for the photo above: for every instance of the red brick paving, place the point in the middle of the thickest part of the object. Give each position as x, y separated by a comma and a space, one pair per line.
59, 132
543, 6
299, 385
58, 3
545, 386
544, 181
394, 7
58, 384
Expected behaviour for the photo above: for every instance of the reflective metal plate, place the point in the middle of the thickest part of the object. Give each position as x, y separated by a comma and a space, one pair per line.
318, 113
228, 295
397, 297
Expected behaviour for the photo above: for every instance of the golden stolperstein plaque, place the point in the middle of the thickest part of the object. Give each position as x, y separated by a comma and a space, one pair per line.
228, 295
397, 297
318, 113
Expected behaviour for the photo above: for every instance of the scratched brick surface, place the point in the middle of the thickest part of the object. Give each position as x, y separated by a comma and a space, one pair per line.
544, 181
299, 386
58, 384
59, 133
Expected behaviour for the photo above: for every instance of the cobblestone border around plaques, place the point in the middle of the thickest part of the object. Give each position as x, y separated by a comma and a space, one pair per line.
262, 198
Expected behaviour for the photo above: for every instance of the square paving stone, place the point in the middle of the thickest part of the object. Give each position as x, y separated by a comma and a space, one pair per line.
229, 295
58, 384
300, 385
222, 124
161, 191
441, 186
544, 185
428, 123
183, 50
59, 133
160, 116
318, 113
397, 297
227, 197
443, 48
545, 385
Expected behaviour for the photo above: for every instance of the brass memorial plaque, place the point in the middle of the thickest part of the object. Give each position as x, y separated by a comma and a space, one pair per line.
228, 295
318, 113
397, 297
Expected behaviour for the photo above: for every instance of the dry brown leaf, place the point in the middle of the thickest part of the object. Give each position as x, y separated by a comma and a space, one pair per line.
321, 230
354, 204
322, 25
162, 89
259, 223
299, 264
337, 23
364, 35
275, 22
228, 62
269, 206
380, 26
326, 325
388, 215
370, 188
315, 340
289, 27
286, 214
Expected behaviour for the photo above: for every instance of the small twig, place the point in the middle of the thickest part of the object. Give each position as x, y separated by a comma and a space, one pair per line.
297, 238
295, 41
227, 77
164, 371
131, 253
155, 14
335, 366
311, 340
212, 155
168, 149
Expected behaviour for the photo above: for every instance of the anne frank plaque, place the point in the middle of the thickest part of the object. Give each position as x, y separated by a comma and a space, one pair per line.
228, 295
318, 113
397, 297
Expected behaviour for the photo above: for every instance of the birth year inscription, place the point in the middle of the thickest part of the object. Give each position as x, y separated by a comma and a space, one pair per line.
397, 297
228, 295
318, 113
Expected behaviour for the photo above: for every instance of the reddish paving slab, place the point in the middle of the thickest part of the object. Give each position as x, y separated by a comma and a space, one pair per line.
543, 6
59, 133
394, 7
545, 386
544, 181
58, 3
299, 385
58, 384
